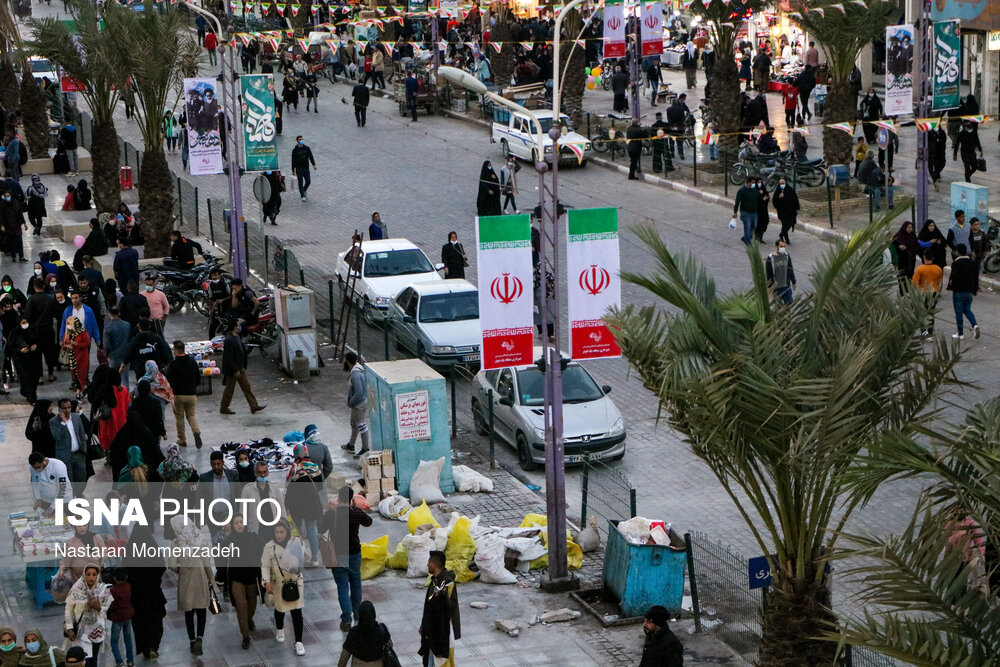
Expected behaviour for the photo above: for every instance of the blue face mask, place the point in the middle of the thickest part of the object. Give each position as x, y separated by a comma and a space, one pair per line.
302, 143
244, 464
782, 186
33, 647
262, 480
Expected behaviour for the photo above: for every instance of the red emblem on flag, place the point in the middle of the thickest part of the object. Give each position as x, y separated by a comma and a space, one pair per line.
506, 289
594, 280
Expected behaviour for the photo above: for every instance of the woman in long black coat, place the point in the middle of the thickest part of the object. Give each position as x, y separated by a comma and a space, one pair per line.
488, 201
147, 594
786, 206
930, 239
763, 216
453, 257
134, 432
37, 430
95, 245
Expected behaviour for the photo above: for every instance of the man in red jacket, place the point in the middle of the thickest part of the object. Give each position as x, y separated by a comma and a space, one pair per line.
791, 99
211, 44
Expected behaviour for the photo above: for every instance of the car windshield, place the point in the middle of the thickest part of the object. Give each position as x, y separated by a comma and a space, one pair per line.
449, 307
547, 124
578, 386
41, 66
396, 263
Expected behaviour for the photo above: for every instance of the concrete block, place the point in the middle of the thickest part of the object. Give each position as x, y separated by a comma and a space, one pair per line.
43, 165
479, 605
560, 615
70, 229
507, 626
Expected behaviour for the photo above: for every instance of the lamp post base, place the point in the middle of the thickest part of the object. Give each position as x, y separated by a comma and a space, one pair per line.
561, 584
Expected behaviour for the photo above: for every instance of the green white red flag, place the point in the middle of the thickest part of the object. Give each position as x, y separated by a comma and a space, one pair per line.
593, 271
506, 294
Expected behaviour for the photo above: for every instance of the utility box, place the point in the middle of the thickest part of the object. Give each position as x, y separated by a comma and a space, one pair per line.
294, 308
643, 575
969, 197
408, 414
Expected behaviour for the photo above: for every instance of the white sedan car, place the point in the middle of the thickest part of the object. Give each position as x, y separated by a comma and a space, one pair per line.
438, 321
386, 267
593, 428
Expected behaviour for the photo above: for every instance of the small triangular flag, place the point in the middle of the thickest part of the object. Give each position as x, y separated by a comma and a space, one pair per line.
280, 7
975, 119
497, 46
887, 124
527, 46
840, 7
819, 10
295, 9
927, 124
843, 127
800, 130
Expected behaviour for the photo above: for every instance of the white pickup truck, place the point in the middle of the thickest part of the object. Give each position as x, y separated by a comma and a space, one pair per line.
517, 135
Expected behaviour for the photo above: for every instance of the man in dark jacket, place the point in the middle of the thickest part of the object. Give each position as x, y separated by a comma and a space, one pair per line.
219, 482
804, 83
71, 444
181, 250
441, 612
361, 98
762, 70
68, 142
184, 377
147, 345
126, 264
633, 137
963, 285
967, 143
619, 86
234, 371
662, 648
302, 158
116, 337
133, 306
937, 148
347, 573
746, 205
41, 311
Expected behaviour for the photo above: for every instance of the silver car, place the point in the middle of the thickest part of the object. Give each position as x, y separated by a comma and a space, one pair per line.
593, 427
438, 321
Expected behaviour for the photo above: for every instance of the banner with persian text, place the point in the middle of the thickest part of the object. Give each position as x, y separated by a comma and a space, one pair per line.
260, 145
614, 29
593, 270
506, 303
203, 139
652, 28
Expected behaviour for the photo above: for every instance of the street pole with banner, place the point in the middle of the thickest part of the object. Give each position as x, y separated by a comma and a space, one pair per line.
923, 88
230, 116
506, 312
594, 280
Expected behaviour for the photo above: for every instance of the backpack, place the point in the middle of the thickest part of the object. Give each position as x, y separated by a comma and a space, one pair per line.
22, 156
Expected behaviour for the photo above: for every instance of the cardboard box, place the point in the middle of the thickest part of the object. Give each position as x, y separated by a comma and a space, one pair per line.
388, 485
386, 455
389, 471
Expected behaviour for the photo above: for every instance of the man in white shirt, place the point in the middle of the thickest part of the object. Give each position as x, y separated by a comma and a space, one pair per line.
49, 481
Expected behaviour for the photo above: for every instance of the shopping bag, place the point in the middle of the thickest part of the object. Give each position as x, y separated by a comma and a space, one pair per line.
981, 164
732, 223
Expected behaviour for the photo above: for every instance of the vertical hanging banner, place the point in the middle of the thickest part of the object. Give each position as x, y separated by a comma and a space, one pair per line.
652, 28
947, 65
593, 275
260, 149
506, 307
898, 70
204, 140
614, 29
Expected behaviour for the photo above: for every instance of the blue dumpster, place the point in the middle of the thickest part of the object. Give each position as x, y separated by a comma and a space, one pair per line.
642, 575
839, 174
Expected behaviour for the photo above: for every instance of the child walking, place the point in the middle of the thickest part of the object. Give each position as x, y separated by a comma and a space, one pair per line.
120, 614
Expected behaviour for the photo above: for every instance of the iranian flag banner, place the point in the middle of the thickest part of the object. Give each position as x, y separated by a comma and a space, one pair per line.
614, 29
593, 274
652, 28
506, 294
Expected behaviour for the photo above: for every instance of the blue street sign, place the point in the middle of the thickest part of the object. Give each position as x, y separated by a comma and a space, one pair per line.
759, 572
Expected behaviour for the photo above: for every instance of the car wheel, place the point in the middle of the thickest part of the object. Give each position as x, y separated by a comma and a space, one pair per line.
524, 454
505, 149
482, 428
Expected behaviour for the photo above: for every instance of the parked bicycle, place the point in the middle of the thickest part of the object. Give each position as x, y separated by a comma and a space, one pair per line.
601, 134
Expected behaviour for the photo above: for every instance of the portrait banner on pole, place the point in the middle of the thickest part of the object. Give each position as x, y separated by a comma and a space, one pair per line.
260, 147
593, 270
652, 28
898, 70
947, 65
614, 29
506, 303
204, 143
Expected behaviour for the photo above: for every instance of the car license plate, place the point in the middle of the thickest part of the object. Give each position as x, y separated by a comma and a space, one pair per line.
575, 458
471, 357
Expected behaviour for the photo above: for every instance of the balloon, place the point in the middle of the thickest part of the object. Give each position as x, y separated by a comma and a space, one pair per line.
587, 71
597, 80
78, 241
596, 71
590, 85
590, 79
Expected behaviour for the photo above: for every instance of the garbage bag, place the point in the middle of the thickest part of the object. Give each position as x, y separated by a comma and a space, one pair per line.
532, 519
425, 485
398, 560
460, 550
418, 549
373, 557
490, 550
589, 538
394, 507
574, 557
468, 480
419, 516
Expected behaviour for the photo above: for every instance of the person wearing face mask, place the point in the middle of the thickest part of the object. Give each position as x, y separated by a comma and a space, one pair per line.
8, 291
302, 157
746, 205
240, 581
780, 274
10, 652
38, 653
159, 307
36, 203
26, 347
37, 272
244, 468
967, 143
870, 111
12, 224
763, 216
508, 183
786, 206
454, 258
259, 490
234, 371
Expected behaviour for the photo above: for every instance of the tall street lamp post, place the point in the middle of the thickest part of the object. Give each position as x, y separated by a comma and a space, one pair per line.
549, 260
231, 113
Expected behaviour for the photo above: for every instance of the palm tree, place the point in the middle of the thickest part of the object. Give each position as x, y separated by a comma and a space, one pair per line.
780, 402
842, 33
151, 49
573, 60
9, 91
26, 98
34, 113
89, 57
933, 606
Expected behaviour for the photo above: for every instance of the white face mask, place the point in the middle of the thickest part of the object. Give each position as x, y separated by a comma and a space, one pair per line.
24, 326
783, 251
38, 272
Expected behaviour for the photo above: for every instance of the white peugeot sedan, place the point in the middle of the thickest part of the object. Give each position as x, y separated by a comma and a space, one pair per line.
387, 266
438, 321
593, 428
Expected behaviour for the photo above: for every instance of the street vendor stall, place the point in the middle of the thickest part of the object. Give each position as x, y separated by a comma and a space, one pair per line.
35, 538
422, 65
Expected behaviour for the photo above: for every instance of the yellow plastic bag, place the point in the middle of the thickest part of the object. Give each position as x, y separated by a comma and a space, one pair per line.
531, 519
574, 557
460, 551
373, 557
399, 559
419, 516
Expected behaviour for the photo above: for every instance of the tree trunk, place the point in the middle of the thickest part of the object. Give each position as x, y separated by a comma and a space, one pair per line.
726, 104
503, 63
104, 154
35, 117
840, 107
10, 92
797, 612
574, 83
156, 205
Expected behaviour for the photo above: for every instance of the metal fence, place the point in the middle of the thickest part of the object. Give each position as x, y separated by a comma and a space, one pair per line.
606, 494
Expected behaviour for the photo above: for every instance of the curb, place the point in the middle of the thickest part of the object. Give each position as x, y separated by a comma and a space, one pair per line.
808, 227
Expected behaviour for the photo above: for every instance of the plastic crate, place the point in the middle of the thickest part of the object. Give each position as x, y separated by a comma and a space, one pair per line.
643, 575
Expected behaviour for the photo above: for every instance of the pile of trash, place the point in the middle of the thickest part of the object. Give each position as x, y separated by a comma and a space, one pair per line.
640, 530
493, 554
